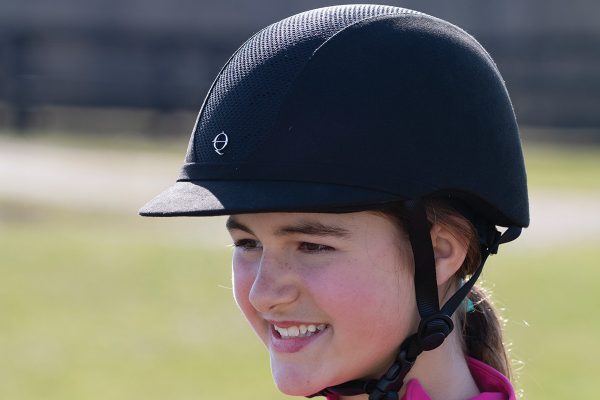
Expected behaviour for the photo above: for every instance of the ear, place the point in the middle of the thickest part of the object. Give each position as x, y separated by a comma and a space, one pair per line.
449, 251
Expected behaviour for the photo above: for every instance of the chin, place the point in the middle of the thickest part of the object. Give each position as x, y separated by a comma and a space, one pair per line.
297, 389
293, 382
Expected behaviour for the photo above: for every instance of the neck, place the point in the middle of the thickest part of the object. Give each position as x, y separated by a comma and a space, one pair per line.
442, 372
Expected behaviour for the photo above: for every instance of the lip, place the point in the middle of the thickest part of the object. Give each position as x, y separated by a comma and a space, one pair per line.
293, 345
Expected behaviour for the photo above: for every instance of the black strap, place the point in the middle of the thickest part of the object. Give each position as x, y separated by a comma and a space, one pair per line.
425, 278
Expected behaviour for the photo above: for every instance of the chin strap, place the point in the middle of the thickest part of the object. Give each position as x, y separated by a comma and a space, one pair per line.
436, 324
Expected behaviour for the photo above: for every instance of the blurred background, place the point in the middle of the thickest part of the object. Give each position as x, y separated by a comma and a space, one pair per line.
97, 101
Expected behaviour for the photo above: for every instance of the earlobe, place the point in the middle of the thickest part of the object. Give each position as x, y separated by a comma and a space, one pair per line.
449, 252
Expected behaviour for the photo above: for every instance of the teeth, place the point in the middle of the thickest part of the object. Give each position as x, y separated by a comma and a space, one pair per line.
293, 331
299, 331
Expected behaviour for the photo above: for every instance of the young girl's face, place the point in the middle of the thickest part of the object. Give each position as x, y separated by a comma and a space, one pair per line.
330, 295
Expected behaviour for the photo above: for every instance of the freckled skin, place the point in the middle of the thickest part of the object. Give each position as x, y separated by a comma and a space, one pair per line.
360, 285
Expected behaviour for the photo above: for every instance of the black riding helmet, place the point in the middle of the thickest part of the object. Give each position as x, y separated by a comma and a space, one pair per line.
356, 107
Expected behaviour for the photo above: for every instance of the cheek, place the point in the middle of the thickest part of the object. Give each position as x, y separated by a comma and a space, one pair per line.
372, 309
372, 303
374, 283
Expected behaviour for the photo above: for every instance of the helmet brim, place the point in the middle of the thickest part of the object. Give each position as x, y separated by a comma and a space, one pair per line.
210, 198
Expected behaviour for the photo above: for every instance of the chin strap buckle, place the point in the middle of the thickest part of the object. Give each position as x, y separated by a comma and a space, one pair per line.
387, 387
433, 331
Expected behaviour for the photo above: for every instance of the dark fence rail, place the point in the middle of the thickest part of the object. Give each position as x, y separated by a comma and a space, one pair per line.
554, 78
102, 68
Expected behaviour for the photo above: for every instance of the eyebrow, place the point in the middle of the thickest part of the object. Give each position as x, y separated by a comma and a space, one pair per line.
312, 228
232, 224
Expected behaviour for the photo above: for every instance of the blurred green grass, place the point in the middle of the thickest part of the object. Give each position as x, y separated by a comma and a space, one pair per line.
549, 297
98, 306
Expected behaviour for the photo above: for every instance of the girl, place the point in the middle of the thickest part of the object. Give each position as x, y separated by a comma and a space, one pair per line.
366, 155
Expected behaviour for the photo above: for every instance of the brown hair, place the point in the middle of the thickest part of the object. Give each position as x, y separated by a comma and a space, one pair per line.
481, 328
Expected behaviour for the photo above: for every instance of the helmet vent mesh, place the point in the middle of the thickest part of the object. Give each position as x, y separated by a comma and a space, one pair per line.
247, 95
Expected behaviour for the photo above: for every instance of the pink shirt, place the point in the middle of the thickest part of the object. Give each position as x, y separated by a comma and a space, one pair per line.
492, 384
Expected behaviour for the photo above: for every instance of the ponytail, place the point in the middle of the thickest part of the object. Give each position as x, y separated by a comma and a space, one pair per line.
482, 332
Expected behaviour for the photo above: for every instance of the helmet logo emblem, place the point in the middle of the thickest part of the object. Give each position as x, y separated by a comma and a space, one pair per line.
220, 142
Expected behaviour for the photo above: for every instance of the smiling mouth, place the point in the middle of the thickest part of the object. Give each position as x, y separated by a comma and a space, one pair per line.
298, 331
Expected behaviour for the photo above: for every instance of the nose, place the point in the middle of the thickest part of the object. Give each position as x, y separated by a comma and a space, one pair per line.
275, 286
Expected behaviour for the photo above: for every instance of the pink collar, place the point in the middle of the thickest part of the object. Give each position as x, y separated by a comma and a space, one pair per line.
492, 384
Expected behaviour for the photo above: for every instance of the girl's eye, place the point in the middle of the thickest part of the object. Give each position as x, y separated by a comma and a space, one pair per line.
314, 247
247, 244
